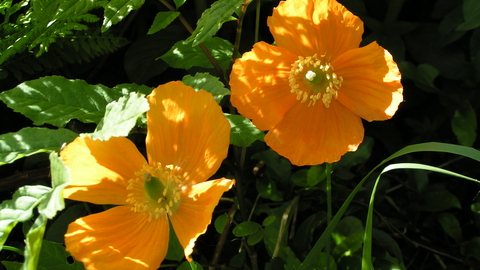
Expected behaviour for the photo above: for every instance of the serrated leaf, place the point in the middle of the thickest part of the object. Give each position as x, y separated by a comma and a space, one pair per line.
207, 82
243, 132
53, 201
29, 141
121, 116
19, 208
212, 19
184, 55
221, 222
162, 20
471, 15
246, 228
450, 225
464, 124
117, 10
53, 256
33, 243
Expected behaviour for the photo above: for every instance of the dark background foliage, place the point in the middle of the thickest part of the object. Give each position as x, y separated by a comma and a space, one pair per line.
425, 220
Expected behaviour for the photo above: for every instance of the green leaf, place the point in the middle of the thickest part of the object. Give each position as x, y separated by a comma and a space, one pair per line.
279, 166
255, 238
221, 222
246, 228
14, 265
175, 250
117, 10
471, 248
162, 20
56, 100
212, 19
53, 256
316, 174
29, 141
387, 242
179, 3
207, 82
464, 124
19, 208
423, 76
269, 220
450, 225
471, 14
243, 132
349, 245
436, 201
121, 116
54, 202
184, 55
33, 243
190, 266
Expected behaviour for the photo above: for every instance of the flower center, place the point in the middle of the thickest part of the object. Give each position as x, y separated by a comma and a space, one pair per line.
312, 79
155, 191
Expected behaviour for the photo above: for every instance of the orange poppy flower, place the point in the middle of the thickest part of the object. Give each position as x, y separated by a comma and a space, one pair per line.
312, 89
187, 139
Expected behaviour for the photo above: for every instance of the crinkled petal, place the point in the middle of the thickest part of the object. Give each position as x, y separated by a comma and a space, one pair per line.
191, 219
316, 134
100, 170
324, 27
186, 129
371, 82
259, 84
118, 239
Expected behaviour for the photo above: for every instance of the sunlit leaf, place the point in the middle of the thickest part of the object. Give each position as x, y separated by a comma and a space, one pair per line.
19, 208
184, 55
121, 116
33, 243
243, 132
117, 10
162, 20
179, 3
29, 141
213, 18
209, 83
349, 244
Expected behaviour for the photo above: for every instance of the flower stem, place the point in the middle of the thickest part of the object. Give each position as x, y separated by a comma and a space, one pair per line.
328, 188
14, 249
202, 46
257, 20
239, 29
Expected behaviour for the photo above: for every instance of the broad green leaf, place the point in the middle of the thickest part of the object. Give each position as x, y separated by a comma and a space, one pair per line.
184, 55
221, 222
33, 243
243, 132
60, 223
121, 116
213, 18
53, 256
359, 156
347, 226
53, 201
162, 20
316, 174
464, 124
450, 225
269, 220
349, 245
387, 242
436, 201
190, 266
56, 100
29, 141
175, 250
279, 167
471, 14
246, 228
209, 83
267, 188
475, 207
117, 10
472, 248
14, 265
255, 238
423, 76
19, 208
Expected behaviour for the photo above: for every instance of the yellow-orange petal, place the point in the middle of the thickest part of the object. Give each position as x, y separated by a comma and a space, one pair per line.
100, 170
306, 27
316, 134
188, 130
371, 82
191, 219
259, 84
118, 239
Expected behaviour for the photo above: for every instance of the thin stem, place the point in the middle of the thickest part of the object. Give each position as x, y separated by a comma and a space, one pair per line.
14, 249
223, 236
257, 20
283, 225
329, 209
202, 46
239, 29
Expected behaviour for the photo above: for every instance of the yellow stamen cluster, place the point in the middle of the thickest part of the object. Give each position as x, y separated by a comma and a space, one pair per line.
167, 197
312, 79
